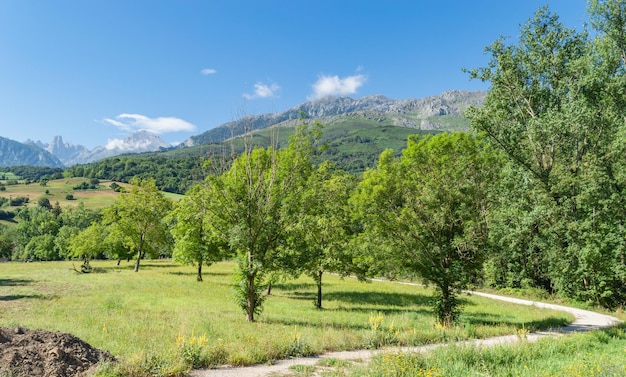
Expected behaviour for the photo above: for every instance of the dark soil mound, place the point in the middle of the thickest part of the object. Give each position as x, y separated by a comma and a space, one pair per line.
40, 353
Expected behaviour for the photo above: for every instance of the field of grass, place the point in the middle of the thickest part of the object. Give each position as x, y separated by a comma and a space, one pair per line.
161, 321
58, 191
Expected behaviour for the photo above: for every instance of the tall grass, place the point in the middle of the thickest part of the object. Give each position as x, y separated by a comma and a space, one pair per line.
161, 321
601, 353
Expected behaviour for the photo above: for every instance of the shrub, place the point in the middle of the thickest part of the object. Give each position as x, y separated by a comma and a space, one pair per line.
18, 201
81, 186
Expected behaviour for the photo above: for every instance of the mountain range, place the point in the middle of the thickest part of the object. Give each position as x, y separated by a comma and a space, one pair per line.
429, 113
438, 113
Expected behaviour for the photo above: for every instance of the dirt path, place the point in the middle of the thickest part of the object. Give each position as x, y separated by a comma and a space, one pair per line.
584, 321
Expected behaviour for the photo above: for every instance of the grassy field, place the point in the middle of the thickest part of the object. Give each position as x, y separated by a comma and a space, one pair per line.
596, 354
161, 322
59, 189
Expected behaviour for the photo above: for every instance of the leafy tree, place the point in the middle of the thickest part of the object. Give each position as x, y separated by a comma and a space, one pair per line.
251, 202
556, 108
88, 244
137, 218
44, 202
430, 206
321, 228
7, 241
40, 247
79, 216
196, 240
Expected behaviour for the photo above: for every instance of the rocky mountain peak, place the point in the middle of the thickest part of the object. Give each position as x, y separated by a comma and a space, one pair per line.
411, 113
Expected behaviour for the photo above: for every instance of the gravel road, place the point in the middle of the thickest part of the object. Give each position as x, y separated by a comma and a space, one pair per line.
585, 320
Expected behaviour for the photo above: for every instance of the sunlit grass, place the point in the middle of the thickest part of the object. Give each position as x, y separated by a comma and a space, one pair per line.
148, 319
601, 353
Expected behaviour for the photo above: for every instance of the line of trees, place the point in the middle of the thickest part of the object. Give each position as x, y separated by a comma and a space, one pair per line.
534, 198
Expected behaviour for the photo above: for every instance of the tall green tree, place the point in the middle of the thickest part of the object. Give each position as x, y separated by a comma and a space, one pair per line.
196, 239
88, 244
321, 229
556, 107
430, 206
251, 205
137, 219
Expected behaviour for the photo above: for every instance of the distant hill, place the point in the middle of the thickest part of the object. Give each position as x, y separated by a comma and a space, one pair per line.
443, 113
14, 153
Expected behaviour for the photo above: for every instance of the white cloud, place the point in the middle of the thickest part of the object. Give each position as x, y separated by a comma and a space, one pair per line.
129, 145
120, 145
262, 91
208, 71
335, 86
161, 125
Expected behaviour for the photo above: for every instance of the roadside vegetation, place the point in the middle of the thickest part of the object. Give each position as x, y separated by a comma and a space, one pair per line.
596, 354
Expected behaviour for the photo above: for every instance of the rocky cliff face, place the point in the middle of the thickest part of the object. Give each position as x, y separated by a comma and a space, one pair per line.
70, 154
65, 151
412, 113
14, 153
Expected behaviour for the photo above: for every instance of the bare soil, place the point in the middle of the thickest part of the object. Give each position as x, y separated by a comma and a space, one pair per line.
39, 353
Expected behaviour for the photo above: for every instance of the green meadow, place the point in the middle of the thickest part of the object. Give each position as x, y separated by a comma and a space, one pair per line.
57, 191
594, 354
160, 321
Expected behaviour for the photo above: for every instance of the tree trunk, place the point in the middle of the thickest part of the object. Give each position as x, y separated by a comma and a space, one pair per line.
318, 304
137, 261
139, 253
250, 299
269, 287
199, 278
446, 309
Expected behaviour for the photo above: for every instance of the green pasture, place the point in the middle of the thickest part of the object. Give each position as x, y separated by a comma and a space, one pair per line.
58, 191
161, 321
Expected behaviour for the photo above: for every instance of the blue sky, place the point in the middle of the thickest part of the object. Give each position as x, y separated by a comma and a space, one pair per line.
94, 71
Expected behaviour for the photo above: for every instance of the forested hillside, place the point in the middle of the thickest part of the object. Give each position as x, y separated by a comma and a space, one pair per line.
353, 144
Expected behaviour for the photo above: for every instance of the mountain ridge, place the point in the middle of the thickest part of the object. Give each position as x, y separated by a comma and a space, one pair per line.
410, 113
434, 113
14, 153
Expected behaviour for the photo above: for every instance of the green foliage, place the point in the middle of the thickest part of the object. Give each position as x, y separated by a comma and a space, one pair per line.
18, 201
44, 202
88, 244
430, 206
196, 241
320, 227
175, 174
556, 108
87, 185
32, 173
251, 203
115, 187
137, 219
